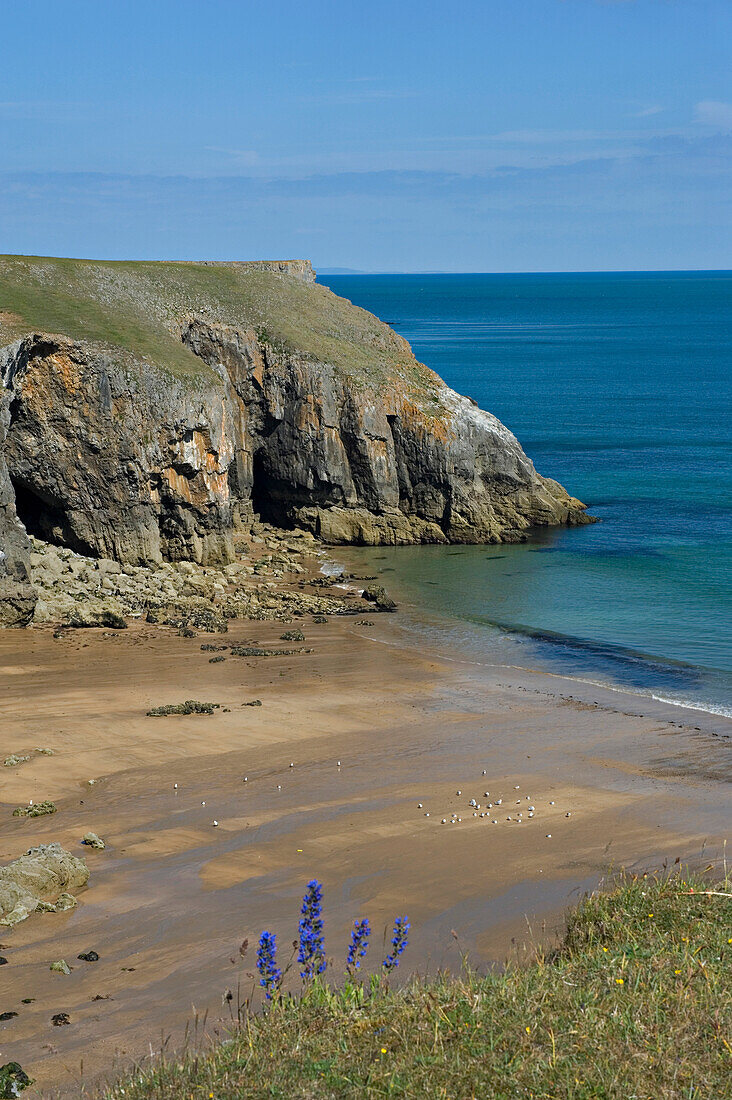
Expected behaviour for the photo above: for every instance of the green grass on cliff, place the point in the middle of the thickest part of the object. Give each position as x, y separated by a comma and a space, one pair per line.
139, 306
635, 1003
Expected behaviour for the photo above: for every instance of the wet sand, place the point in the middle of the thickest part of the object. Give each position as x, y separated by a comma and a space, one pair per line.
172, 897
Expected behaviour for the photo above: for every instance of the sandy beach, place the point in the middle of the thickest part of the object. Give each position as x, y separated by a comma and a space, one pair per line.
172, 896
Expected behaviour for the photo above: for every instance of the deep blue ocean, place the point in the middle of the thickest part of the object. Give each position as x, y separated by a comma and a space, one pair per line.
620, 387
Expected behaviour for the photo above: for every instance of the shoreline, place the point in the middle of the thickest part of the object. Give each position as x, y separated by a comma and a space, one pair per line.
172, 897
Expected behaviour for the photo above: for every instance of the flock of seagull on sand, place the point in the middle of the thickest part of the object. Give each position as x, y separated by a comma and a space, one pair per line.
479, 809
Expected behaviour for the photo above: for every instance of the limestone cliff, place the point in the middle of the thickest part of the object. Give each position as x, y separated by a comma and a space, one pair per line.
17, 598
153, 407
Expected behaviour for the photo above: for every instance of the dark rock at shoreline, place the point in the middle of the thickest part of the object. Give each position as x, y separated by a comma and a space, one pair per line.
379, 597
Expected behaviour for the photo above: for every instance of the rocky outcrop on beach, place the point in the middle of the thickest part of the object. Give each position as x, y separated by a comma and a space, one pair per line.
40, 879
181, 399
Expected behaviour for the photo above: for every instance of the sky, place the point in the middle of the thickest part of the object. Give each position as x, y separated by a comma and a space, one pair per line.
408, 135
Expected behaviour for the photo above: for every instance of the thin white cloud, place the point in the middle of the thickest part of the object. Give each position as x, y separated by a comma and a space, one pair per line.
646, 112
713, 112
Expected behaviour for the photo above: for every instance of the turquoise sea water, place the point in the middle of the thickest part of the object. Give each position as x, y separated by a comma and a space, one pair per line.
620, 387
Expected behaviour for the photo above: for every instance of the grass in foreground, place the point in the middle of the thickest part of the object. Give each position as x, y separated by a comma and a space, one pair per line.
635, 1003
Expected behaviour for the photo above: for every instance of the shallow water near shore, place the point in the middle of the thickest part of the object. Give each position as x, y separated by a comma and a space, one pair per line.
618, 385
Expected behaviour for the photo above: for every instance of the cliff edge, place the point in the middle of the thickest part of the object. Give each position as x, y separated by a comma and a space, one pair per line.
151, 408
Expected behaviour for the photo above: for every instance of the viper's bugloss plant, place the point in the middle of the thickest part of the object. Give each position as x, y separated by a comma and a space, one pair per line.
359, 943
399, 941
270, 975
311, 953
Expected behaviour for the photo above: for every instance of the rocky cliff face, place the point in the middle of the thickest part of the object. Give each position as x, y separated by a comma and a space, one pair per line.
17, 598
280, 399
115, 462
359, 463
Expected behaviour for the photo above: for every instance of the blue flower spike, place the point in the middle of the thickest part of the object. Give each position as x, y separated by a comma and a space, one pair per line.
311, 953
399, 941
359, 943
270, 975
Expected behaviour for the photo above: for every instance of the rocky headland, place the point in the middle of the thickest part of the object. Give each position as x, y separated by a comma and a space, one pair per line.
150, 411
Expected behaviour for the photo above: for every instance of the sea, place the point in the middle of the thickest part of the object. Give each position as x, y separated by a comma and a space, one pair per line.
619, 385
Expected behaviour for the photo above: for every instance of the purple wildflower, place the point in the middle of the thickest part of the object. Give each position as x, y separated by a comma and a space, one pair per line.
359, 943
269, 973
311, 954
398, 943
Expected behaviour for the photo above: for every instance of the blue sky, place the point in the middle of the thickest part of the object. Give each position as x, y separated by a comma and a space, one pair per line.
471, 135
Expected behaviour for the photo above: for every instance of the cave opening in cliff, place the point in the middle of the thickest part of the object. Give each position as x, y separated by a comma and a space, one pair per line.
267, 500
45, 519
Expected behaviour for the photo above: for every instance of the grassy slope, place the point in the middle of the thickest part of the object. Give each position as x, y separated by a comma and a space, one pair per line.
139, 306
637, 1002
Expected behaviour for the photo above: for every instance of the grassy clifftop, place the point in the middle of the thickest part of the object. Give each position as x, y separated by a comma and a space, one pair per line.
636, 1002
139, 306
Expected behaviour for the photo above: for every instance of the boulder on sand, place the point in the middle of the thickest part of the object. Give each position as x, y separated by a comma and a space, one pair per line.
41, 875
